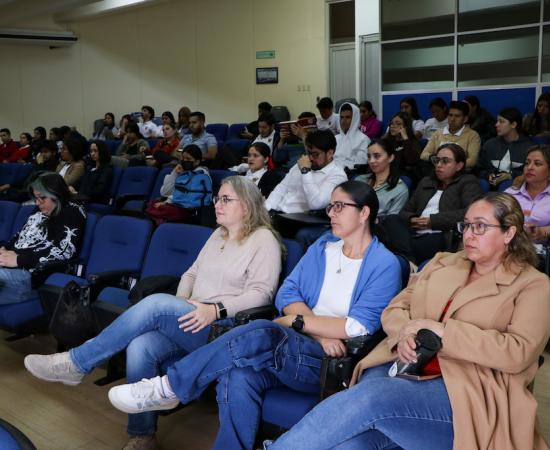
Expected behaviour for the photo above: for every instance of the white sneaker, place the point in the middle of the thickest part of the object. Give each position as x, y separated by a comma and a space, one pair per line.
145, 395
58, 367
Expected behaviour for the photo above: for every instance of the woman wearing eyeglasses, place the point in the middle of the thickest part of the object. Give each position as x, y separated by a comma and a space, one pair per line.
491, 309
437, 204
533, 193
52, 233
337, 291
238, 268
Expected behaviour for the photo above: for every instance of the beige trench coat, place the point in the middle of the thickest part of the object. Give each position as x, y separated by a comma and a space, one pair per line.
495, 330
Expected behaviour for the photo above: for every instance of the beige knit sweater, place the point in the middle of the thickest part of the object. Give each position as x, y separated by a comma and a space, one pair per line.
241, 275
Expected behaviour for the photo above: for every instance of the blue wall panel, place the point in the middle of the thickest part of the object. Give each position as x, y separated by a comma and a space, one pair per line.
494, 100
391, 102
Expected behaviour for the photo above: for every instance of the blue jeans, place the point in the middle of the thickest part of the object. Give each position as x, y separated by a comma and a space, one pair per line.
15, 285
378, 413
247, 361
149, 332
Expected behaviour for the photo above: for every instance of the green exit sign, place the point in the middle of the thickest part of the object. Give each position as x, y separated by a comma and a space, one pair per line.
265, 54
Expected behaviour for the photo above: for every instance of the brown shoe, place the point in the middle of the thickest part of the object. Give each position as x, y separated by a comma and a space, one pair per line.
141, 443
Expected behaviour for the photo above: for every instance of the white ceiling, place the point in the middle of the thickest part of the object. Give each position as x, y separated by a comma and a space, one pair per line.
62, 11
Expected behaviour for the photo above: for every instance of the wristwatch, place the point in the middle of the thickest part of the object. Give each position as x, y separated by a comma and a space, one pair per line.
222, 312
298, 323
305, 170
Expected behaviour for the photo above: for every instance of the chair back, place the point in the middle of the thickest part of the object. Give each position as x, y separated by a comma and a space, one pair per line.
119, 243
219, 130
234, 131
137, 180
22, 216
294, 253
174, 248
8, 212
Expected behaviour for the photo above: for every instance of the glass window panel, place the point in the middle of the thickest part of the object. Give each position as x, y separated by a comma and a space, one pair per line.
546, 53
503, 57
342, 22
402, 19
485, 14
422, 64
546, 10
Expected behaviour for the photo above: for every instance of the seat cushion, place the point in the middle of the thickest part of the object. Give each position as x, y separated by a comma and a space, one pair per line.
61, 279
115, 296
15, 314
284, 407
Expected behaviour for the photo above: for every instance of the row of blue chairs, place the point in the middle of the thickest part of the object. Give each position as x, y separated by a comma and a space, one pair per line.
225, 134
130, 187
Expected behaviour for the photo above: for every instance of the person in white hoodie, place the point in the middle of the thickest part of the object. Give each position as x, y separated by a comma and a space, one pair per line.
351, 143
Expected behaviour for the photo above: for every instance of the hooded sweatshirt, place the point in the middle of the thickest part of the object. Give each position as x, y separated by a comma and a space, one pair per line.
351, 147
499, 155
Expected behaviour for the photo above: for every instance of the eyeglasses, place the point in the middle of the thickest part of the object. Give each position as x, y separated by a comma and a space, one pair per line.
478, 228
40, 198
224, 199
338, 206
443, 160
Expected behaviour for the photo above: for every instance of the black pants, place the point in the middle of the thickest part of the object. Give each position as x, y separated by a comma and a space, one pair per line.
404, 241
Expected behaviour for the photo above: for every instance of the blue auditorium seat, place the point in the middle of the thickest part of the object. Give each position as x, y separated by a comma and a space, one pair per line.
219, 130
17, 315
407, 180
217, 178
173, 249
234, 131
22, 216
139, 205
484, 185
135, 183
12, 438
282, 407
117, 250
8, 212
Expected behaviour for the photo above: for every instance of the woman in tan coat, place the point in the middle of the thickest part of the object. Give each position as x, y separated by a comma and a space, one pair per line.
491, 309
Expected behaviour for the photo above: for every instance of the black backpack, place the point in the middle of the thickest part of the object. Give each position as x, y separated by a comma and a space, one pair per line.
73, 321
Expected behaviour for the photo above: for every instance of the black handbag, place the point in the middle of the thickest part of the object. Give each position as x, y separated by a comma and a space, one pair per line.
73, 321
167, 284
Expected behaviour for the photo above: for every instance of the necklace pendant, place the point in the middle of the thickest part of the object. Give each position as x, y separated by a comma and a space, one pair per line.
339, 271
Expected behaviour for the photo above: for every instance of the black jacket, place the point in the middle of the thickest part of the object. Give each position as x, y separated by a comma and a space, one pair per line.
269, 180
54, 238
494, 150
458, 196
96, 184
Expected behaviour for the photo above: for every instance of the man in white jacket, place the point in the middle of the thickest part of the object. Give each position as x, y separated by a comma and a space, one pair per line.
351, 143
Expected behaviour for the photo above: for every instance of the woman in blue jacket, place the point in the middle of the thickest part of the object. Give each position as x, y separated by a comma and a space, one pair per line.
337, 291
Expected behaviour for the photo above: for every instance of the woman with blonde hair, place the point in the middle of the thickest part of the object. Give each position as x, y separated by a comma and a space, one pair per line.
490, 308
238, 268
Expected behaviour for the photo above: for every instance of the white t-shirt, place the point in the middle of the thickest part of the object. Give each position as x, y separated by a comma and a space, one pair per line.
64, 169
266, 140
431, 208
332, 123
432, 125
341, 275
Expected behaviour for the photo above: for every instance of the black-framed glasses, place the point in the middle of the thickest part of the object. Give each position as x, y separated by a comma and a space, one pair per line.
40, 198
224, 199
478, 228
443, 160
339, 206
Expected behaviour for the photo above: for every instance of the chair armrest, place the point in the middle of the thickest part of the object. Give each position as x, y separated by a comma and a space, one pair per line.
114, 278
336, 372
121, 200
268, 312
241, 318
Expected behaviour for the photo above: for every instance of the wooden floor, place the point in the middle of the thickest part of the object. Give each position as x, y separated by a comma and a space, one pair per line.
58, 417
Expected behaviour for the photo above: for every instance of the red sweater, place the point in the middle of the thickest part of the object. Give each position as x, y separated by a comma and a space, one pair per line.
7, 149
21, 153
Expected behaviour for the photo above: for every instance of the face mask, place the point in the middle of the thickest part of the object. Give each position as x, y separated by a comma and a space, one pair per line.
187, 165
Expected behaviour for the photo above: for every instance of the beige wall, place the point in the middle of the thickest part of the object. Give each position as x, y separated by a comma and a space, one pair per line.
195, 53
